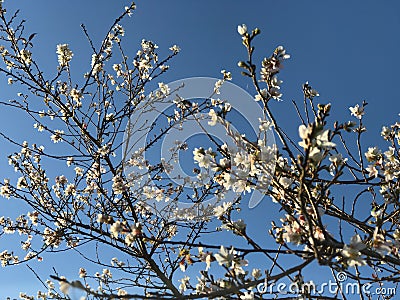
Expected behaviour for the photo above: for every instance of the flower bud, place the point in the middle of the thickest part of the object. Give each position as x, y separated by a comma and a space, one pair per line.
242, 29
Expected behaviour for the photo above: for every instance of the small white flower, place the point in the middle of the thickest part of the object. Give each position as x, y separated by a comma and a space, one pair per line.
264, 125
373, 154
382, 246
214, 117
184, 283
26, 56
256, 273
57, 136
357, 111
372, 171
64, 54
376, 212
337, 159
322, 140
164, 89
115, 229
352, 252
281, 54
227, 75
315, 154
309, 92
175, 49
221, 209
242, 29
263, 94
304, 133
225, 257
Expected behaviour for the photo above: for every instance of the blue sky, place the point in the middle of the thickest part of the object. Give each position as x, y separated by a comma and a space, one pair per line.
348, 51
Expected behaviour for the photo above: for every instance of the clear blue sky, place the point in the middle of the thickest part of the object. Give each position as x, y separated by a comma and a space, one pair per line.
347, 50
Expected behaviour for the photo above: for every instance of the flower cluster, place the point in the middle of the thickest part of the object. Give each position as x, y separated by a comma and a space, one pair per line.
315, 140
64, 54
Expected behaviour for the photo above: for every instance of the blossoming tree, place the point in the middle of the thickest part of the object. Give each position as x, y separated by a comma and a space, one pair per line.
107, 195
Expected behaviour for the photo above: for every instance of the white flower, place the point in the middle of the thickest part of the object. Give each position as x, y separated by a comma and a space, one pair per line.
205, 257
372, 171
57, 136
64, 54
237, 265
119, 30
337, 159
264, 125
390, 154
240, 186
128, 10
385, 133
122, 292
175, 49
22, 183
26, 56
70, 161
352, 252
96, 64
382, 246
309, 92
61, 180
184, 283
256, 273
118, 185
315, 154
221, 209
78, 171
242, 29
82, 273
373, 154
293, 233
115, 229
203, 157
263, 94
357, 111
275, 93
322, 140
376, 213
285, 182
217, 86
227, 75
70, 189
304, 133
225, 257
76, 95
318, 139
214, 118
164, 89
281, 54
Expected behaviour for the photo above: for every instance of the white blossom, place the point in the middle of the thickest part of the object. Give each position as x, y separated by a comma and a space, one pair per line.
225, 257
64, 54
357, 111
242, 29
352, 252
